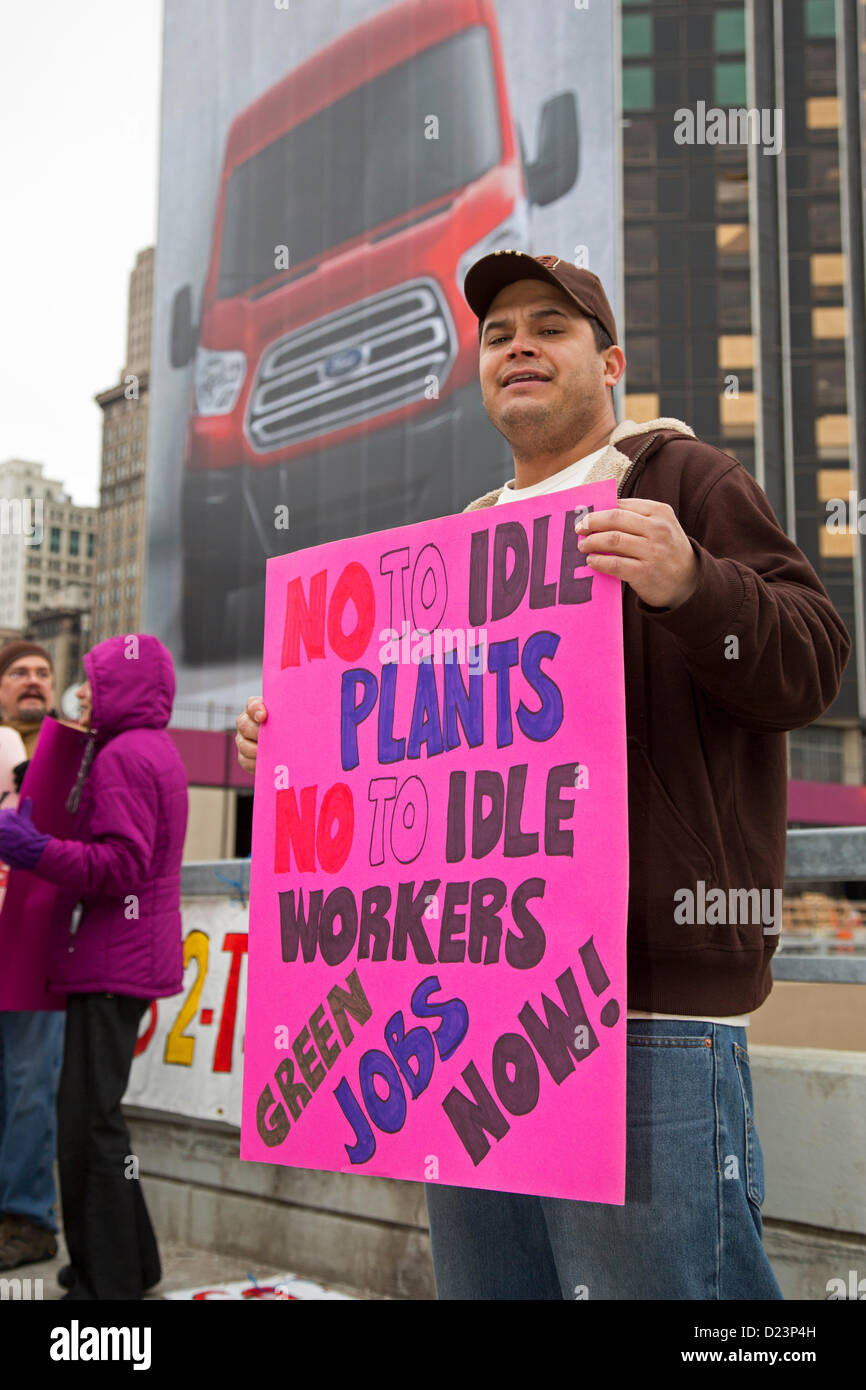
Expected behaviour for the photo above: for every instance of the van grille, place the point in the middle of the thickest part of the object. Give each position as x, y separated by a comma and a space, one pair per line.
365, 360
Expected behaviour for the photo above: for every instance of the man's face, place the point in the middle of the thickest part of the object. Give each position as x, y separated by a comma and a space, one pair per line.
27, 689
535, 328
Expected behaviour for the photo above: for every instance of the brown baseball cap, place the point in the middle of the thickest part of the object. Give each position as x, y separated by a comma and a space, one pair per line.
492, 273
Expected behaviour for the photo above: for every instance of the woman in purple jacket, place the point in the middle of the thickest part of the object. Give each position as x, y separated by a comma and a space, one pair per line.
122, 948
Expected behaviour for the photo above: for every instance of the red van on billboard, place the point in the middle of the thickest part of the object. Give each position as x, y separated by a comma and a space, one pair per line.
335, 385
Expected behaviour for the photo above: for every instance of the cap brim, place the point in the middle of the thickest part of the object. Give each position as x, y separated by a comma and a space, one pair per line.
492, 273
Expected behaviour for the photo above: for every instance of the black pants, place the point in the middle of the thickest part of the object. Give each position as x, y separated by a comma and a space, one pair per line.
111, 1243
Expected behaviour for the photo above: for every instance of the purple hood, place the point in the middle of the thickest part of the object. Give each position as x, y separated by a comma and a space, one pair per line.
132, 679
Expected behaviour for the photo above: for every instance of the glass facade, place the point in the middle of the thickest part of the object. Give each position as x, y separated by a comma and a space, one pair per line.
741, 312
687, 239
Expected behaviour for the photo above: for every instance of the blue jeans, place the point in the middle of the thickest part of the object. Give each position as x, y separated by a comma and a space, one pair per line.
31, 1051
691, 1224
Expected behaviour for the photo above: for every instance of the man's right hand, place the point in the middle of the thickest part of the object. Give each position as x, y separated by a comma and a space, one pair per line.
247, 736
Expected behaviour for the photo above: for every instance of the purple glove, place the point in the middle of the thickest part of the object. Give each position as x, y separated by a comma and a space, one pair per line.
21, 844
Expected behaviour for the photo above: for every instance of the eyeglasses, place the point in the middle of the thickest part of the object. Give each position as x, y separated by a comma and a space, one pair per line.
20, 674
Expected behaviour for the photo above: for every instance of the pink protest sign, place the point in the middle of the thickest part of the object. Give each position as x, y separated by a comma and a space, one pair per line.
439, 884
32, 907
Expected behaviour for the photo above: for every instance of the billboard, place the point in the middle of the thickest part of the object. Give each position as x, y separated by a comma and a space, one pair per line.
327, 176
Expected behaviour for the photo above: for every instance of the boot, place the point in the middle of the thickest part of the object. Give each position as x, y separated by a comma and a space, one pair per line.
22, 1242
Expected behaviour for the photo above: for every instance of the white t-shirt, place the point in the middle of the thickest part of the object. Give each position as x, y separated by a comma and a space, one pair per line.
573, 476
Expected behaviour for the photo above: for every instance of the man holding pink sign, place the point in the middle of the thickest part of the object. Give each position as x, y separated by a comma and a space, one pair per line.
729, 640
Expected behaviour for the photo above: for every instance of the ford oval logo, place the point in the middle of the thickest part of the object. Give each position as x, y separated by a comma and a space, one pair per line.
342, 362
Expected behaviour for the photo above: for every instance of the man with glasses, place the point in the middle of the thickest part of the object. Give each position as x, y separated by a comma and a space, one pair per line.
31, 1042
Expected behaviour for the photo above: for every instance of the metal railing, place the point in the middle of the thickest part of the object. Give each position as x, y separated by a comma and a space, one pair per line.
824, 856
206, 715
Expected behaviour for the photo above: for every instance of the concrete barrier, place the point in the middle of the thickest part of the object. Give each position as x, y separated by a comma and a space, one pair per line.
371, 1233
368, 1233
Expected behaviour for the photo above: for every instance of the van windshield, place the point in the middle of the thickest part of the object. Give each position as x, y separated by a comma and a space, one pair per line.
364, 160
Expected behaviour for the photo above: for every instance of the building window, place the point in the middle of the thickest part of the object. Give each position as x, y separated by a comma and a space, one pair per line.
636, 35
640, 192
828, 271
641, 407
732, 244
55, 540
734, 302
831, 391
828, 323
834, 483
822, 113
74, 542
639, 140
91, 545
833, 437
736, 350
737, 415
820, 19
732, 192
825, 226
641, 302
824, 170
730, 84
729, 31
820, 67
642, 356
816, 755
637, 88
641, 249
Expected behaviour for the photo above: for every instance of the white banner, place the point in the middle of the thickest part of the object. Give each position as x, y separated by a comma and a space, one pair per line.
189, 1056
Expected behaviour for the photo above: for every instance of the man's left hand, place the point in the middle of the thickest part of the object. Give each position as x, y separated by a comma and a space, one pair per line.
643, 544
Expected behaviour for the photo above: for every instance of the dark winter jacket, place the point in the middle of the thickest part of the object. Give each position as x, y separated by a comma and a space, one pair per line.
706, 720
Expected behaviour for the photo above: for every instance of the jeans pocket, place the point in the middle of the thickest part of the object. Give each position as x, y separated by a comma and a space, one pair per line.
754, 1156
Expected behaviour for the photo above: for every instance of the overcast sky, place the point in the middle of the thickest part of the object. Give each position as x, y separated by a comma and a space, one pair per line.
79, 125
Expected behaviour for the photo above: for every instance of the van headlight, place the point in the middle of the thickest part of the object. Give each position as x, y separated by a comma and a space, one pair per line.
512, 234
218, 378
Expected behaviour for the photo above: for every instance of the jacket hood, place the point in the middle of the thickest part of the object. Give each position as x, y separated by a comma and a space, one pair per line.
132, 681
612, 463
